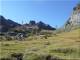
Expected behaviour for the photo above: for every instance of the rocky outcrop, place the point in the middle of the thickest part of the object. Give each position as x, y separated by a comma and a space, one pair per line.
74, 20
34, 26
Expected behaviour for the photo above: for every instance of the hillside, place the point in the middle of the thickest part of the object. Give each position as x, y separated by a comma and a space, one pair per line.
64, 46
7, 24
41, 41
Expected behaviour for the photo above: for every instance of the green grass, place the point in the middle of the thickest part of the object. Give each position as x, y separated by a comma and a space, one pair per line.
65, 45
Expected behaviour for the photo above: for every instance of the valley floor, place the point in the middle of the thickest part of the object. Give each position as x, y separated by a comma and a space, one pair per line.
64, 46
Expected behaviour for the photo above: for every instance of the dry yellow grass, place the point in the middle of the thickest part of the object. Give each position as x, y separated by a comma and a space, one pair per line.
63, 41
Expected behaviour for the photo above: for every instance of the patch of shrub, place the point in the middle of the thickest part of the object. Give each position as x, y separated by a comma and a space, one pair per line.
43, 36
33, 56
47, 43
39, 56
50, 57
46, 36
8, 38
6, 44
2, 38
63, 50
17, 56
34, 49
5, 59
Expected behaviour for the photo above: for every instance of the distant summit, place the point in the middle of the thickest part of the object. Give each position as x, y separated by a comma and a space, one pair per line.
74, 20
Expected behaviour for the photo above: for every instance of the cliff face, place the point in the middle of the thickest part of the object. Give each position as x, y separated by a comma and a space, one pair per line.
74, 20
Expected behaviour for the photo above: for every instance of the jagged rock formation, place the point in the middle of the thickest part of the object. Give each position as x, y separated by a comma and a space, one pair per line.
8, 25
74, 20
34, 26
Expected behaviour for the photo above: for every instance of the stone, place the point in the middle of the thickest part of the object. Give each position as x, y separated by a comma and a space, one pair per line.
74, 19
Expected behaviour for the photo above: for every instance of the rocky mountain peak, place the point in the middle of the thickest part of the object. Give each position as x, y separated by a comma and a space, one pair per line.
77, 8
75, 17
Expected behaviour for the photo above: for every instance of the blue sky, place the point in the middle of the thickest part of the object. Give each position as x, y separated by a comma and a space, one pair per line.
53, 12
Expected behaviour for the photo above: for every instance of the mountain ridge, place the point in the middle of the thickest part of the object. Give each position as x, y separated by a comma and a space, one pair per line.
7, 25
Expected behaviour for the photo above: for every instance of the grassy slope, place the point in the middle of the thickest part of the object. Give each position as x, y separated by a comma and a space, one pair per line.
65, 45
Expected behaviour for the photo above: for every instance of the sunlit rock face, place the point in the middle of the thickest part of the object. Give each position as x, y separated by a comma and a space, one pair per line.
74, 19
